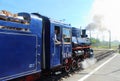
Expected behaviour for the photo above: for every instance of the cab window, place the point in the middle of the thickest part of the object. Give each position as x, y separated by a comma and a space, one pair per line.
66, 36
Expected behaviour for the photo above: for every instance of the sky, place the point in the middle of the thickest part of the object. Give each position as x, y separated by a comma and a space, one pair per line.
78, 13
74, 12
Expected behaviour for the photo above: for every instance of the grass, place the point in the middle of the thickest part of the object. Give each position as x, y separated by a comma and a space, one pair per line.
104, 47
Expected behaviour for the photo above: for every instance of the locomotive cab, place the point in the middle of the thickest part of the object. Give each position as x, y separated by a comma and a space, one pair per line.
58, 46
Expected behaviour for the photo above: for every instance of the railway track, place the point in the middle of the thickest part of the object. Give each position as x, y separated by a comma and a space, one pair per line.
99, 55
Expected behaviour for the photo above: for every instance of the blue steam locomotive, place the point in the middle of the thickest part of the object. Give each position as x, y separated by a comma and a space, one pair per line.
32, 44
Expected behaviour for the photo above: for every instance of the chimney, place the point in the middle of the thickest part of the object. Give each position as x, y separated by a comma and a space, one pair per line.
84, 33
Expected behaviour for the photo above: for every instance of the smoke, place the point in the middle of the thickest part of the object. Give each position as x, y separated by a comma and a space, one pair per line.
97, 23
105, 16
88, 62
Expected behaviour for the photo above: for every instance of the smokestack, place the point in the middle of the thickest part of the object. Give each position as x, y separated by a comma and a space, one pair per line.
84, 33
